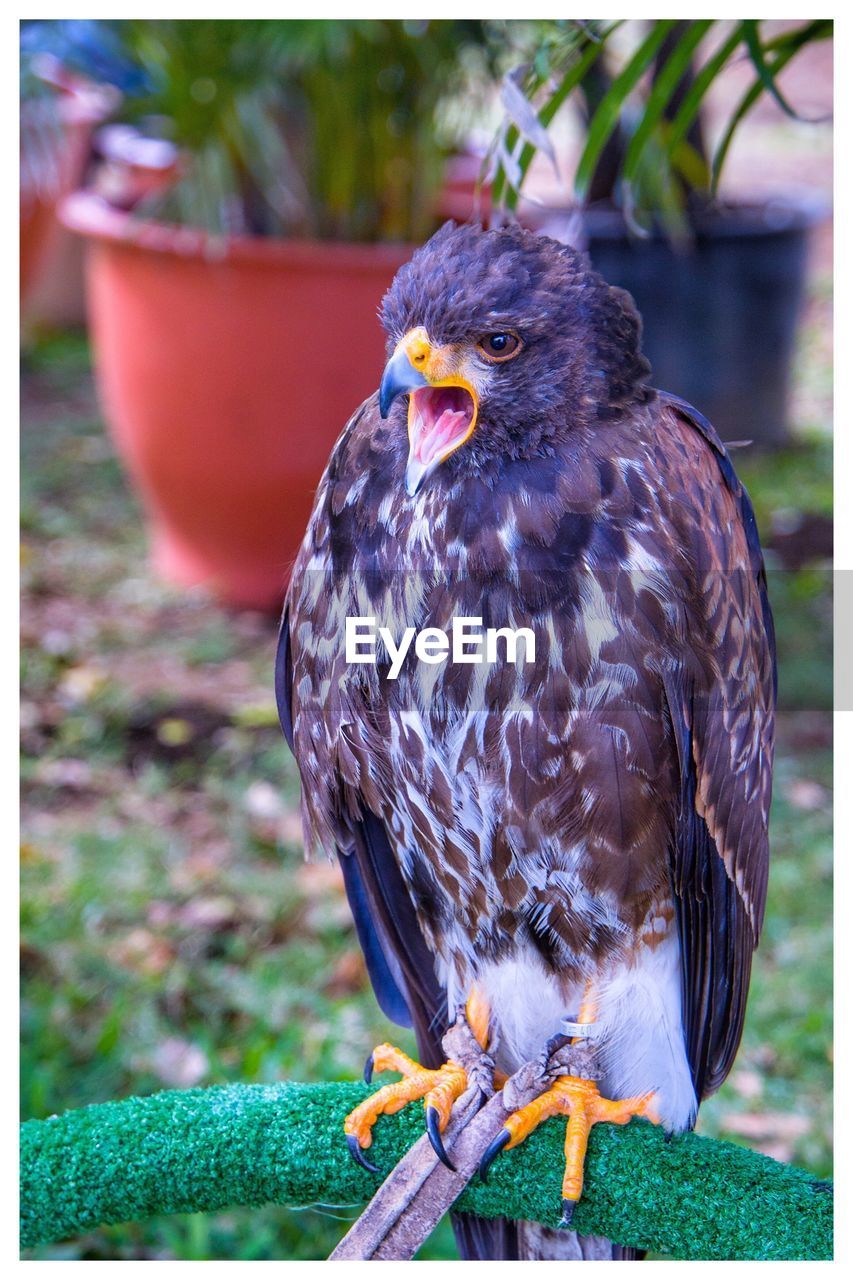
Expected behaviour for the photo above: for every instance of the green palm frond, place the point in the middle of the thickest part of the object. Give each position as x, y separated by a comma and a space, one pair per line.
613, 103
781, 52
651, 103
559, 66
661, 92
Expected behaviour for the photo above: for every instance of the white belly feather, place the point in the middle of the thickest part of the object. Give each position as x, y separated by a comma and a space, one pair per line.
639, 1032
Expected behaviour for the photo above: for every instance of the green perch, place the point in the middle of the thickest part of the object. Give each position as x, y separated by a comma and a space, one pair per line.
202, 1150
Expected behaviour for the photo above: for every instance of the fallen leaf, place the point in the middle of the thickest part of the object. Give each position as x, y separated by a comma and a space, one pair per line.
749, 1084
202, 867
174, 732
76, 775
317, 879
160, 913
263, 800
207, 913
348, 975
80, 684
290, 827
56, 642
257, 716
802, 793
180, 1064
144, 952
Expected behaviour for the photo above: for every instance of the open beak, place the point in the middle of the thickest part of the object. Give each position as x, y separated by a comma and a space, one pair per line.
442, 410
400, 376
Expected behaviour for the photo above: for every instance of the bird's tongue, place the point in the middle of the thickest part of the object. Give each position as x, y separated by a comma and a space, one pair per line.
440, 420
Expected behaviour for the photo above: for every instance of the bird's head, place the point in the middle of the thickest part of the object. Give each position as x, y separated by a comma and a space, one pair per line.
503, 341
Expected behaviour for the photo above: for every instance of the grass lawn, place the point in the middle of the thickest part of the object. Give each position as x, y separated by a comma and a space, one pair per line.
172, 934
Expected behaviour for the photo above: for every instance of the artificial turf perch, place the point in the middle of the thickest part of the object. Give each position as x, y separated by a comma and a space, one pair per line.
202, 1150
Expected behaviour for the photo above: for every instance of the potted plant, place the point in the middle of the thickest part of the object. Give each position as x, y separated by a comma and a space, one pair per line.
59, 112
719, 285
230, 312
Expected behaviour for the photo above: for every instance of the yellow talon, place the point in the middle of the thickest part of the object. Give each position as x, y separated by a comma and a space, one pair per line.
580, 1100
439, 1089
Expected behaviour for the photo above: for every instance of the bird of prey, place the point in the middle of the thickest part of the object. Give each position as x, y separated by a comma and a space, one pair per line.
573, 848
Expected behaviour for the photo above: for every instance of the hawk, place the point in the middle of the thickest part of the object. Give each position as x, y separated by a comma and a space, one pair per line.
571, 846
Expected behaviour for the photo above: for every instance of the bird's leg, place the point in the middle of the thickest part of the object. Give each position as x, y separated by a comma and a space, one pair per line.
577, 1097
465, 1042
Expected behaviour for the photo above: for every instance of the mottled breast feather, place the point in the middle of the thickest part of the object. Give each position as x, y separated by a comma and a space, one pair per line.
562, 804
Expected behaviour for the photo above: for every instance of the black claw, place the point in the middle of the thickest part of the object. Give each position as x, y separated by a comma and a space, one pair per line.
568, 1213
435, 1137
358, 1155
368, 1069
492, 1150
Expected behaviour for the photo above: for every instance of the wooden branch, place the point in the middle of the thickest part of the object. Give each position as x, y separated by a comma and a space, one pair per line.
420, 1189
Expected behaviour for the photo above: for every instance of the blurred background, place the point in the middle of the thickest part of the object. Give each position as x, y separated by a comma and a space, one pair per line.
210, 214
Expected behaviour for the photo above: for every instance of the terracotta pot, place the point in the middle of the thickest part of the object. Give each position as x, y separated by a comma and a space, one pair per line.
79, 107
227, 369
129, 168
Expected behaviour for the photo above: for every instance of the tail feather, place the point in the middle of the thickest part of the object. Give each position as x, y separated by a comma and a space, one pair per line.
485, 1239
497, 1239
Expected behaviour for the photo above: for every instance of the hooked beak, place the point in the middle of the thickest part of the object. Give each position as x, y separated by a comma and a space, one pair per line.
400, 376
443, 404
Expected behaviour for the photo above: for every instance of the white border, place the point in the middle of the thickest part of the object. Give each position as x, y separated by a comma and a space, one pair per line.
9, 513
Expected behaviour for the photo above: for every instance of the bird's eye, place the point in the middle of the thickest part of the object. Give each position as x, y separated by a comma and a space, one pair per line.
500, 346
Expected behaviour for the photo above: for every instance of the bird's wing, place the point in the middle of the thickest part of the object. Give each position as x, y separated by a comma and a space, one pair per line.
398, 963
720, 856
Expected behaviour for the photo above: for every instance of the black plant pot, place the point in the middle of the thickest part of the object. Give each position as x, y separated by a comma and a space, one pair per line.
720, 318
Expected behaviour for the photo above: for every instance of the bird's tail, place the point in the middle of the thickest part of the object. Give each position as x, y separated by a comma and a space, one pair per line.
496, 1239
485, 1239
